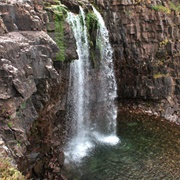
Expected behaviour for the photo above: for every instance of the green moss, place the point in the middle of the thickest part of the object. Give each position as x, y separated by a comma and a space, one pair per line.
18, 143
8, 172
175, 7
159, 75
161, 8
92, 26
59, 16
23, 105
10, 124
91, 21
59, 36
167, 10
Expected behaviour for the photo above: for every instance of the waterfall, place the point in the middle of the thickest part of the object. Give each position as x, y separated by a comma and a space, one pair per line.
107, 88
91, 109
77, 96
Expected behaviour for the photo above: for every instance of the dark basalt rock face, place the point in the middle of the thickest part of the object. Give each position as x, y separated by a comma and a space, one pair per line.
33, 89
146, 53
72, 5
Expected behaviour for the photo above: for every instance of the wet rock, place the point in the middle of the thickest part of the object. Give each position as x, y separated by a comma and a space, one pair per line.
33, 156
69, 43
38, 168
146, 54
31, 88
169, 111
72, 5
61, 158
3, 28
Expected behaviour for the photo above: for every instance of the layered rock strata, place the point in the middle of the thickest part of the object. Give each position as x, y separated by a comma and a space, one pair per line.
33, 87
145, 38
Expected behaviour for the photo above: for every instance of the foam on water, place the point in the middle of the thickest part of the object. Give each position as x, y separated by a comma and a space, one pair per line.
78, 148
111, 139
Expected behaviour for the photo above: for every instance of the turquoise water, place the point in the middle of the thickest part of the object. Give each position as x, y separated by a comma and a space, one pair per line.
149, 150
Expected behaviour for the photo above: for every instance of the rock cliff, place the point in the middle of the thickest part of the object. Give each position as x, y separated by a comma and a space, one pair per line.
33, 80
145, 37
33, 85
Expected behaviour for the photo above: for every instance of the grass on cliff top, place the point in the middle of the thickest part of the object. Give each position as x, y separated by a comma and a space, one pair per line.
167, 10
8, 172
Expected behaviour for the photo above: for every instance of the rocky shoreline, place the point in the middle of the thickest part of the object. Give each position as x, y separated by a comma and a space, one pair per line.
151, 108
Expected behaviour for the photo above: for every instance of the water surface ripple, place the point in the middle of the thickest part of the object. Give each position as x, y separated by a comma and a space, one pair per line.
149, 150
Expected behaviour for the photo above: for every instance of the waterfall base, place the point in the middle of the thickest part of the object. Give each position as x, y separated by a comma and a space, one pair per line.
80, 147
146, 151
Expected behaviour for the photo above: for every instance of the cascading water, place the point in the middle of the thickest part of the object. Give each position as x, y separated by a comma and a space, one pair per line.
91, 109
77, 97
106, 87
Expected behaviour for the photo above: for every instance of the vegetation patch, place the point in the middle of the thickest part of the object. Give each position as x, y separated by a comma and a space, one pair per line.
161, 8
23, 105
175, 7
10, 125
91, 22
159, 75
92, 26
59, 36
164, 42
8, 171
59, 16
167, 10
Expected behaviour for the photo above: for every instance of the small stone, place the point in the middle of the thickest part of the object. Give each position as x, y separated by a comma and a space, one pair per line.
1, 142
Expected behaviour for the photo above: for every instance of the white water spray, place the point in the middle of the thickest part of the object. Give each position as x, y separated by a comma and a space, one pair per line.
91, 111
78, 113
107, 85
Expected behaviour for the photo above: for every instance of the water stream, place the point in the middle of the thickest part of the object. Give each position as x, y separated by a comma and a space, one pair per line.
149, 147
91, 109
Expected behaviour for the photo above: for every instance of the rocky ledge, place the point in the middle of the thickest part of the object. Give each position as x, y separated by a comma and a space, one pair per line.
33, 85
